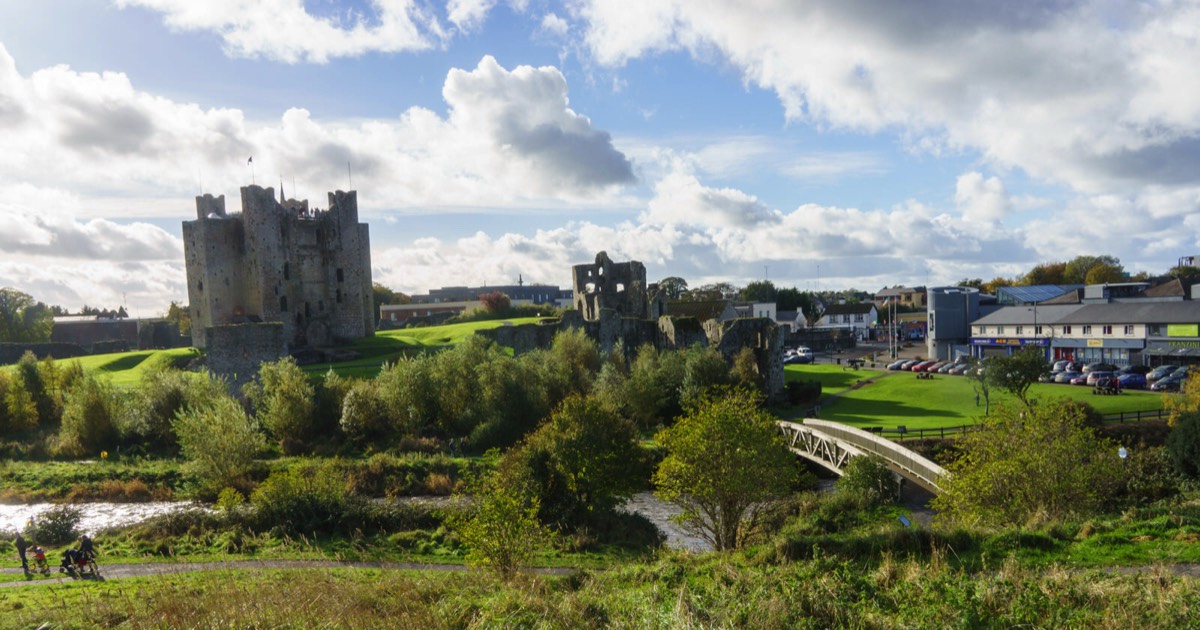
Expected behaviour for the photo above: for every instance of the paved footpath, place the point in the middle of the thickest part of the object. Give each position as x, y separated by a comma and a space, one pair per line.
117, 571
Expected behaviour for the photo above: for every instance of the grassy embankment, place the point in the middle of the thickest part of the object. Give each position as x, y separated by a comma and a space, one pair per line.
897, 398
816, 573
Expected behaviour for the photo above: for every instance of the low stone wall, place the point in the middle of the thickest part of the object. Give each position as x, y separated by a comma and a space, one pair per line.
12, 352
236, 351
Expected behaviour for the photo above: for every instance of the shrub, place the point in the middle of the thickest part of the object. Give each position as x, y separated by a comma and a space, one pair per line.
501, 530
1183, 444
161, 395
283, 403
584, 459
363, 413
220, 442
309, 498
869, 480
1039, 463
58, 525
89, 417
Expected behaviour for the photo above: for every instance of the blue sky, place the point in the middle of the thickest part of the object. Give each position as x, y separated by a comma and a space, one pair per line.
837, 144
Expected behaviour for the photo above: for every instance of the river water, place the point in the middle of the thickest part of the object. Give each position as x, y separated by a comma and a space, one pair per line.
98, 516
94, 516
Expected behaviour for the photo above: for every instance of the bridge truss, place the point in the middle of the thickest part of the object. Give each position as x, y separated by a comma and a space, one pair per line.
832, 444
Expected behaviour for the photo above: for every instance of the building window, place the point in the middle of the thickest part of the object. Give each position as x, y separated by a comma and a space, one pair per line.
1155, 329
1129, 330
1087, 329
1067, 329
858, 317
1037, 331
999, 330
1020, 330
1108, 329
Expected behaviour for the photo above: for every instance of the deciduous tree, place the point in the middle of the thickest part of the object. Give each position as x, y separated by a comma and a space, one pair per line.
725, 459
1017, 372
673, 287
23, 319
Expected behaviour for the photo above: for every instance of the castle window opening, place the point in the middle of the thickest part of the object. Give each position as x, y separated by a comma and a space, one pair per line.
307, 309
321, 306
283, 303
200, 286
286, 272
341, 277
591, 287
339, 296
620, 287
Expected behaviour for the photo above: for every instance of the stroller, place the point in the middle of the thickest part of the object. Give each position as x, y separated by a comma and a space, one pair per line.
78, 564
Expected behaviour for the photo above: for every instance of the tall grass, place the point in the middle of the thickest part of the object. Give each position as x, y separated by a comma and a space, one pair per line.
672, 592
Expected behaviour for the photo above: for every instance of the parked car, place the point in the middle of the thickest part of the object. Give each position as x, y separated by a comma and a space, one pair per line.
945, 369
1132, 380
960, 369
1066, 377
1160, 372
935, 367
907, 365
1099, 367
805, 354
1094, 376
1170, 383
895, 365
920, 367
1065, 365
1080, 380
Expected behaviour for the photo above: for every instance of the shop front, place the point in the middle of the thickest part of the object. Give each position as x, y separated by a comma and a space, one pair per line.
1119, 352
1000, 346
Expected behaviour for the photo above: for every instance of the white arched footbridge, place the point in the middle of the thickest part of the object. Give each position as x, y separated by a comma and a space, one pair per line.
832, 444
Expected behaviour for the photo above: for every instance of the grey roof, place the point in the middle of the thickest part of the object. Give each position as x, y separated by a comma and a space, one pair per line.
1185, 312
1025, 315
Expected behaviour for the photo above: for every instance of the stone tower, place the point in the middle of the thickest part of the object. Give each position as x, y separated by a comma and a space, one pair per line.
609, 285
307, 269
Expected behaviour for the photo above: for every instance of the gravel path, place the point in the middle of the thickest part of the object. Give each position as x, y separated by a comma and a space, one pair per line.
118, 571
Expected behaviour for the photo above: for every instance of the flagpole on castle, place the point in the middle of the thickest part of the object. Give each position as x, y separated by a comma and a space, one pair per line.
251, 163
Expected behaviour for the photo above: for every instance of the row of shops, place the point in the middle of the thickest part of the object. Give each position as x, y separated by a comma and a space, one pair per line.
1122, 334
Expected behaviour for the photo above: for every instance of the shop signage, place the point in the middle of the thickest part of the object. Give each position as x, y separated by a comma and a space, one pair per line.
1095, 343
1183, 330
1008, 341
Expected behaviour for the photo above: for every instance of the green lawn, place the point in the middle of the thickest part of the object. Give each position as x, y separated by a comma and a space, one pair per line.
897, 399
390, 345
125, 369
833, 378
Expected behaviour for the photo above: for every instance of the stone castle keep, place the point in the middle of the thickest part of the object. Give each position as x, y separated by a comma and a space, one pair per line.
303, 274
